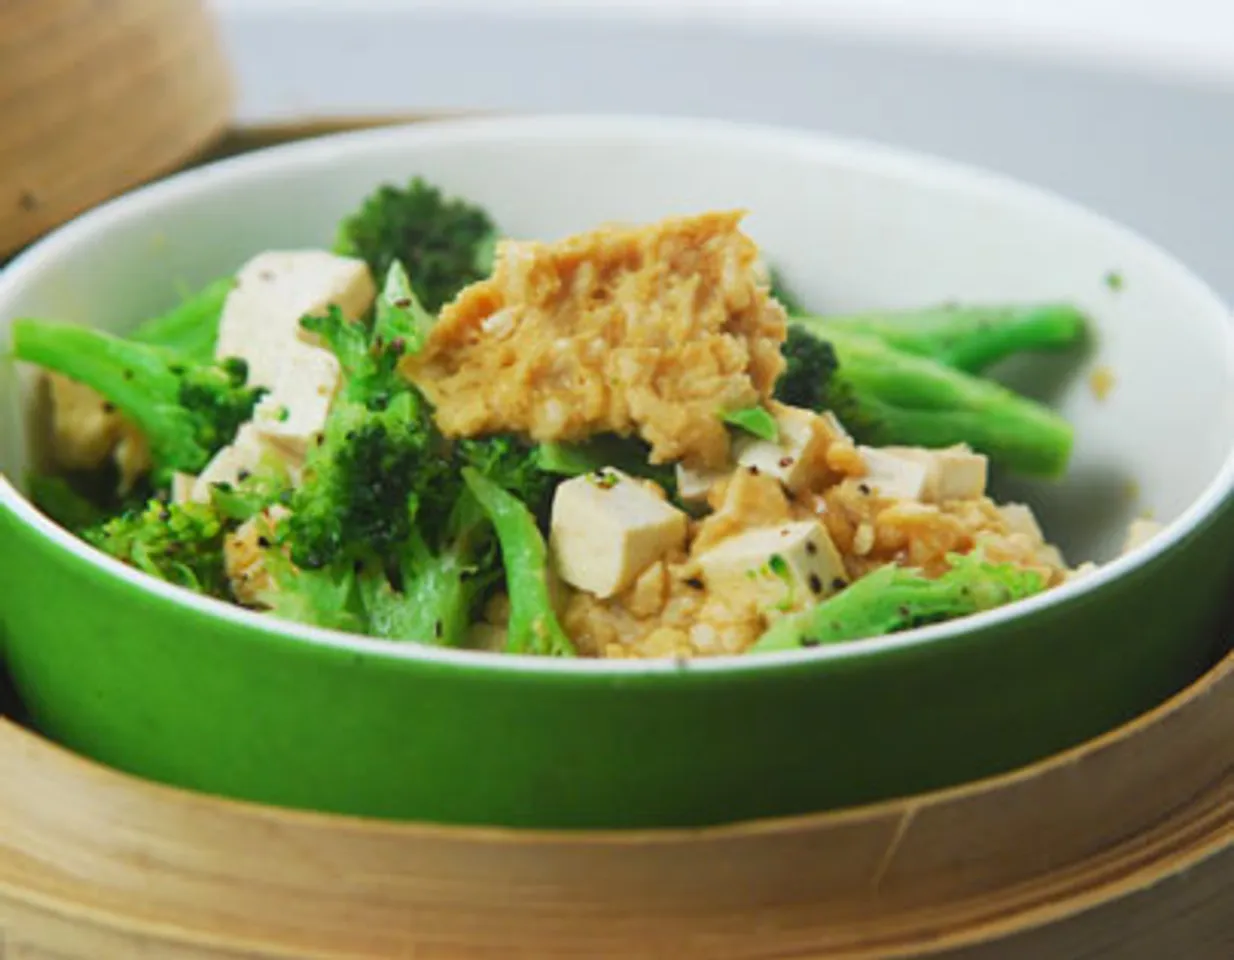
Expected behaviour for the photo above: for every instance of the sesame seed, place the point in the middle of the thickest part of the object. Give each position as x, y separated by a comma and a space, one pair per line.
816, 583
811, 547
839, 583
786, 462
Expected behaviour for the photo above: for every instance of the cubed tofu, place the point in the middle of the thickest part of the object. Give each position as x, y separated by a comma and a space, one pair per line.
894, 476
261, 325
792, 457
790, 565
952, 473
1020, 519
182, 485
249, 452
1140, 532
607, 528
693, 485
962, 474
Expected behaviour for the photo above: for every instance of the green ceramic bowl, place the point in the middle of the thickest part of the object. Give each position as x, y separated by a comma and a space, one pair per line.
193, 692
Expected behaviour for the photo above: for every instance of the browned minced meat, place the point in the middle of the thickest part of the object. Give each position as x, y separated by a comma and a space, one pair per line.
650, 330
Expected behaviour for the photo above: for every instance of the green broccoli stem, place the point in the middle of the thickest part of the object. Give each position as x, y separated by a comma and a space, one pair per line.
192, 328
911, 400
533, 627
186, 410
137, 378
893, 599
968, 338
434, 605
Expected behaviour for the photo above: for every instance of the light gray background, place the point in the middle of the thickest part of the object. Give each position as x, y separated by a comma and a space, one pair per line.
1140, 130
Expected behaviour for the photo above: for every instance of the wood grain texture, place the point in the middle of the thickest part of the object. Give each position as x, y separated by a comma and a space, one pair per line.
1111, 850
97, 96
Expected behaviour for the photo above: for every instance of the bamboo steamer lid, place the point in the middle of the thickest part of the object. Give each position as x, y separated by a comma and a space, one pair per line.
1121, 848
97, 97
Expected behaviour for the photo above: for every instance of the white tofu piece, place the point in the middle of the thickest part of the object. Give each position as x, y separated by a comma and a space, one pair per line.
793, 564
182, 485
895, 476
790, 458
246, 454
1140, 532
607, 528
1083, 570
261, 325
962, 474
1020, 518
952, 473
694, 485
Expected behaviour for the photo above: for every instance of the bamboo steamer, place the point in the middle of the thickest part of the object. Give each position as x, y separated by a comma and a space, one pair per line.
1122, 848
98, 97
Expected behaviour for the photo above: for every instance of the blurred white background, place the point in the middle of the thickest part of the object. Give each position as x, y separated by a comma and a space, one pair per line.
1125, 105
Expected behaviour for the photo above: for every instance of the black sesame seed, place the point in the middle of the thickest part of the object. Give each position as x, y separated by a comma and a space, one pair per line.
243, 475
28, 201
439, 629
786, 462
263, 542
754, 471
864, 488
811, 547
808, 641
694, 583
398, 345
839, 583
904, 612
109, 407
816, 583
402, 303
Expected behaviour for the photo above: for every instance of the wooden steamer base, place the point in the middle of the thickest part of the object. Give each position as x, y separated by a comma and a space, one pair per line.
1123, 848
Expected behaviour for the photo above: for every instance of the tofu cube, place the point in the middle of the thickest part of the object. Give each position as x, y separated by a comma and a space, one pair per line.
952, 473
249, 452
261, 325
1020, 519
790, 566
694, 485
607, 528
1140, 532
792, 457
962, 474
895, 476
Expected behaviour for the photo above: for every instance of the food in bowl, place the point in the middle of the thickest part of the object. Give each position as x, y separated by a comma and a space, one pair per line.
630, 442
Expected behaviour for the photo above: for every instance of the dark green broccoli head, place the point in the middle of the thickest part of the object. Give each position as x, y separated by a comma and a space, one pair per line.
359, 479
445, 243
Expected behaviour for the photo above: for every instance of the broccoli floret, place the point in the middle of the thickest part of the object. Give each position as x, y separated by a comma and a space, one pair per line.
192, 328
187, 409
885, 396
328, 597
968, 338
893, 599
181, 543
533, 627
445, 243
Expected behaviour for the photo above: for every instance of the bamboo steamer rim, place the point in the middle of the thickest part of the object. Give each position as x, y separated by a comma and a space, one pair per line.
96, 98
1070, 847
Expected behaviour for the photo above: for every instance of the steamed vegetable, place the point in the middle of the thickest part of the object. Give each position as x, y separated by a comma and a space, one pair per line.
886, 396
192, 328
445, 243
533, 626
968, 338
187, 409
892, 599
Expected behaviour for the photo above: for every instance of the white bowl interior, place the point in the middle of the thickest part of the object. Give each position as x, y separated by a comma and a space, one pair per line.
853, 227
